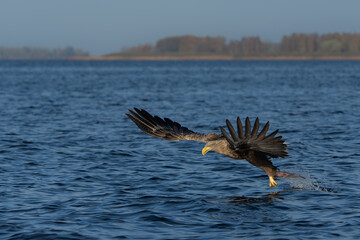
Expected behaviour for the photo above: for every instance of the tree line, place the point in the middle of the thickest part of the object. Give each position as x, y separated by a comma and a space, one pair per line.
40, 53
296, 44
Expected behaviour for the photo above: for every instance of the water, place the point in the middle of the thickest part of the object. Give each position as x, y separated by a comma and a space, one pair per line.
72, 166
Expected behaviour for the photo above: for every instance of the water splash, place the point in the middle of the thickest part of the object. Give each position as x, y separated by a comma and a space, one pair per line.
307, 182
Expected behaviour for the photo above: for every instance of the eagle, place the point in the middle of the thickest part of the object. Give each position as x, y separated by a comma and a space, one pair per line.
256, 148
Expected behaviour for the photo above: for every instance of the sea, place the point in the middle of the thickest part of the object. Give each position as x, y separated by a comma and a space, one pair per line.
73, 166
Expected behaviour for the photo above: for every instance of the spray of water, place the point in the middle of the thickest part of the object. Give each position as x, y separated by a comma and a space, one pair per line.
306, 181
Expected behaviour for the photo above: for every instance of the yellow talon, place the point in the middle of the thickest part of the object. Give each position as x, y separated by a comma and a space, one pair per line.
272, 182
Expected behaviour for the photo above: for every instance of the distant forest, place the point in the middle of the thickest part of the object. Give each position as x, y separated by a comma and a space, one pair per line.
40, 53
296, 44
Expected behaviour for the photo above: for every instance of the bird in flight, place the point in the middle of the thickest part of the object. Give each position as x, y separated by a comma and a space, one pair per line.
246, 143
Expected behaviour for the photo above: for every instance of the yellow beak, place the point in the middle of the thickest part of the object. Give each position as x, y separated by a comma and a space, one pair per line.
205, 150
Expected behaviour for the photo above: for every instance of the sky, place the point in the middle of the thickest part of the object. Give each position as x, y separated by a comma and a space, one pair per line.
107, 26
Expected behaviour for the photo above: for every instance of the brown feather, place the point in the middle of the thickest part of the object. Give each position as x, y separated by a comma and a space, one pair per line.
247, 127
255, 128
240, 128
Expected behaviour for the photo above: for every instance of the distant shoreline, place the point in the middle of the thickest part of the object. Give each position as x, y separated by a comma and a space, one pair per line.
229, 58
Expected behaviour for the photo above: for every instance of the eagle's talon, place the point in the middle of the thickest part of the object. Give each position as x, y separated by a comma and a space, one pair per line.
272, 182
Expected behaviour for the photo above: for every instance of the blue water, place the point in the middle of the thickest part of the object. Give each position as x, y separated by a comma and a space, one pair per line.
73, 166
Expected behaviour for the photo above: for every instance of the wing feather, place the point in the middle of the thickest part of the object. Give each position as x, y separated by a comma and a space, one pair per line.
256, 128
165, 128
227, 137
247, 127
260, 143
264, 131
240, 128
141, 120
145, 115
232, 131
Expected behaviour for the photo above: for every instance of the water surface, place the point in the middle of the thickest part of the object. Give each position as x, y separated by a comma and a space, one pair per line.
72, 166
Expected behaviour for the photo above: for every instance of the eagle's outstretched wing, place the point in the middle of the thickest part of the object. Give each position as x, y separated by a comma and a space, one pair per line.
250, 140
256, 148
165, 128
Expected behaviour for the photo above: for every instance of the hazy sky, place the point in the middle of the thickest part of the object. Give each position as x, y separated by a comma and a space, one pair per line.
105, 26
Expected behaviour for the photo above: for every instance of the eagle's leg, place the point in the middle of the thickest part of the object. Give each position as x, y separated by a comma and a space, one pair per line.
272, 182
